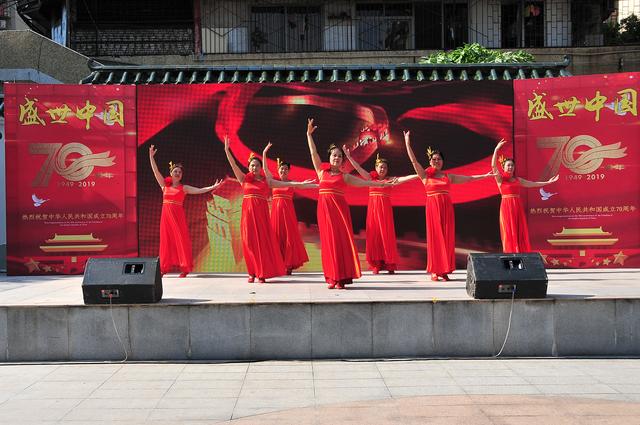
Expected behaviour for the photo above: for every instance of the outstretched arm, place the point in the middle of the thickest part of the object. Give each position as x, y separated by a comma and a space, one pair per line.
458, 179
494, 160
307, 184
412, 157
408, 178
198, 190
527, 183
315, 158
357, 181
357, 166
154, 166
232, 161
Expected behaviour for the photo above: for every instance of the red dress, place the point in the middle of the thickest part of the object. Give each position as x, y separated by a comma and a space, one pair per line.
441, 238
285, 225
513, 221
340, 262
175, 243
381, 232
259, 245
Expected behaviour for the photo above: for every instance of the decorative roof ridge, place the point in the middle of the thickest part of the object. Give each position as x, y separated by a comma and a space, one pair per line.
97, 66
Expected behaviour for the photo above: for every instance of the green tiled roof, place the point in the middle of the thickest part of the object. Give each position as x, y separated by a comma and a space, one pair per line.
190, 74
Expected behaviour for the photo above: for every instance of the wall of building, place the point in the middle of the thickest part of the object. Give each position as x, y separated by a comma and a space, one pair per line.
557, 23
484, 23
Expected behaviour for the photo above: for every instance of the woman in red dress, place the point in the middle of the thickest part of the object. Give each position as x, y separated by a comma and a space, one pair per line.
514, 232
175, 243
441, 237
340, 262
283, 216
259, 245
382, 252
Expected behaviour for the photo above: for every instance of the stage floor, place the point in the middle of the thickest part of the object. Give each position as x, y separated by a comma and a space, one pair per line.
208, 288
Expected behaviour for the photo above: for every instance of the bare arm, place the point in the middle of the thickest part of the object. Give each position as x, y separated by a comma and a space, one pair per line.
458, 179
198, 190
232, 161
154, 166
315, 158
494, 160
357, 166
357, 181
412, 157
290, 183
527, 183
408, 178
267, 172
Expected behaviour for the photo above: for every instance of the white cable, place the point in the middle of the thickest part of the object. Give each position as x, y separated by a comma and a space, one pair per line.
513, 296
124, 348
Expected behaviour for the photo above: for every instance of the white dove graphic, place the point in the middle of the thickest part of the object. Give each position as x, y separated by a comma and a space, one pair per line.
37, 201
546, 195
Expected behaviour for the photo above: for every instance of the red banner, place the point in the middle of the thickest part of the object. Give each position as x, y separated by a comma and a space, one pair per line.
71, 164
586, 129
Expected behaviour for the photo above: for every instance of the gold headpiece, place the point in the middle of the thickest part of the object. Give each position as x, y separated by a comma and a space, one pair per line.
251, 157
279, 162
430, 152
173, 165
379, 160
502, 159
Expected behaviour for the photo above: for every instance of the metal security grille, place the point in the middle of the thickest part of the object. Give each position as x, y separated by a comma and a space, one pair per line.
121, 28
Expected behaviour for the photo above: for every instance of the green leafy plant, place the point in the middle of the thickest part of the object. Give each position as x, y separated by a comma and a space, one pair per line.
475, 53
627, 31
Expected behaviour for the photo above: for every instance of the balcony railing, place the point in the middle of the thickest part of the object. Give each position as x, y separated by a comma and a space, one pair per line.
261, 26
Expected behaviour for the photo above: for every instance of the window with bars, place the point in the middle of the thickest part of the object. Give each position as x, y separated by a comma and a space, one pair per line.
285, 29
384, 26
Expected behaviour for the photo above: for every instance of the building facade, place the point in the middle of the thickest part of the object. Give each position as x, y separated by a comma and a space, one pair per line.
120, 28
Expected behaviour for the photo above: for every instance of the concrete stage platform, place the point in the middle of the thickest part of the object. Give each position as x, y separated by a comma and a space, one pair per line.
222, 317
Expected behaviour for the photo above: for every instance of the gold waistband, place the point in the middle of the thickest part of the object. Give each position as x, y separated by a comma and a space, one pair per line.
254, 196
510, 196
282, 196
169, 201
379, 194
331, 192
438, 192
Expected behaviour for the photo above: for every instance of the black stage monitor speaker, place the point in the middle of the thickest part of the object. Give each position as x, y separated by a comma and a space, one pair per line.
122, 281
498, 275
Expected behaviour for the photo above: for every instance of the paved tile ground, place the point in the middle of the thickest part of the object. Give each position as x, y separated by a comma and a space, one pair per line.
310, 287
483, 391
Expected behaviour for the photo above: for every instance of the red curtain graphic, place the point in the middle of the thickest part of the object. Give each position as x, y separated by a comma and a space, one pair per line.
70, 164
187, 124
586, 129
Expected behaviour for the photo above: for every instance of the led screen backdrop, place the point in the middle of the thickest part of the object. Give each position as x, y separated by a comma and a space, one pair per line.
71, 185
586, 129
187, 124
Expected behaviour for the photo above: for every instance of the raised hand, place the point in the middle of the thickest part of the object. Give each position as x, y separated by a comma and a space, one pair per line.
501, 143
310, 127
216, 184
346, 151
226, 142
152, 151
407, 135
266, 148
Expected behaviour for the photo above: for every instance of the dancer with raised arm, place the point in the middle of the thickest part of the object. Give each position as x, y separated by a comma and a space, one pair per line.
175, 243
382, 252
441, 237
514, 232
340, 262
259, 245
283, 216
